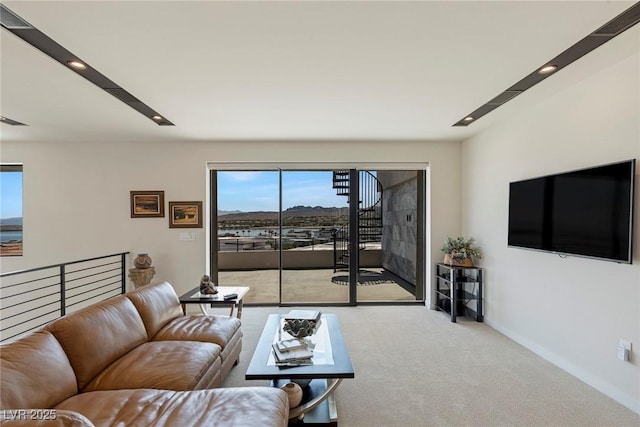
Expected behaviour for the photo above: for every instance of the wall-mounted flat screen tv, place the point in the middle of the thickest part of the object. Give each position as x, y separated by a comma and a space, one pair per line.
588, 212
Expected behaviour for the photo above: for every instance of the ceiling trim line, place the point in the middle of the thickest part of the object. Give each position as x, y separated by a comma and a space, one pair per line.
597, 38
36, 38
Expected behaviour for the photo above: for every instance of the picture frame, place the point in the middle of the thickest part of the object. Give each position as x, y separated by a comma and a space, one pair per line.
147, 204
185, 214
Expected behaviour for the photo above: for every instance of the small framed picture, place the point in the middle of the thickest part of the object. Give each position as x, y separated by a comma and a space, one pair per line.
147, 204
185, 214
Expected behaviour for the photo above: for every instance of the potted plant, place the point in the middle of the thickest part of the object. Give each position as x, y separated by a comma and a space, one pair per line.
460, 251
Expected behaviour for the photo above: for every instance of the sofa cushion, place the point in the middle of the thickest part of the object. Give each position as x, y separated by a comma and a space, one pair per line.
35, 373
98, 335
157, 305
216, 329
222, 330
227, 407
170, 365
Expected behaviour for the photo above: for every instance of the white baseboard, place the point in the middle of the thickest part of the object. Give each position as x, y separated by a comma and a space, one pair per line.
565, 365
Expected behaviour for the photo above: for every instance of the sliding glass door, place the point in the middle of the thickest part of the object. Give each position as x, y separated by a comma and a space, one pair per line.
300, 237
247, 229
313, 211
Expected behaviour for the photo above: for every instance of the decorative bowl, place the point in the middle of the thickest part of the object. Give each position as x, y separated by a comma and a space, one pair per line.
299, 328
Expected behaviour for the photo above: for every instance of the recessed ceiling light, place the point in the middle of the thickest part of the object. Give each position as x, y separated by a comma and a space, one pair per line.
156, 117
468, 119
613, 28
36, 38
548, 69
77, 65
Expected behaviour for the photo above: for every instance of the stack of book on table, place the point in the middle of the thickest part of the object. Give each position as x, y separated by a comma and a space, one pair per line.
292, 352
309, 315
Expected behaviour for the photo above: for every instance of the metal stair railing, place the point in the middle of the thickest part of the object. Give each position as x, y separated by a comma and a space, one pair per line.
369, 215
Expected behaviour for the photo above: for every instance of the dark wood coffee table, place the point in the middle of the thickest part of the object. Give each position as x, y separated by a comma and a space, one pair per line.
331, 364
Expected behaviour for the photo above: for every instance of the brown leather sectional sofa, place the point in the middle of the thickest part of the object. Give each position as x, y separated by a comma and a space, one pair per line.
133, 360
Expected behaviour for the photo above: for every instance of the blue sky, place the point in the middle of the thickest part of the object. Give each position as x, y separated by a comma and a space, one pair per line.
258, 190
243, 191
10, 194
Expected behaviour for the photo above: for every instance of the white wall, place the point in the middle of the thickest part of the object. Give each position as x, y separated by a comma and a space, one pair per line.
76, 195
571, 311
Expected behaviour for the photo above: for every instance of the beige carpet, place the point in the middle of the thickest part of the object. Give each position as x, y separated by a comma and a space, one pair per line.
415, 368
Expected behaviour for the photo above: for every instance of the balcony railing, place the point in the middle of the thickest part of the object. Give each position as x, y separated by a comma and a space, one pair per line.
29, 299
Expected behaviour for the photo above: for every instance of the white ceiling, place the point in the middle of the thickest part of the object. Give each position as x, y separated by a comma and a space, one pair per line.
292, 70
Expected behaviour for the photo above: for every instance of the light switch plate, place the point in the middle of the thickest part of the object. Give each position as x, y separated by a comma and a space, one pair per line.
188, 235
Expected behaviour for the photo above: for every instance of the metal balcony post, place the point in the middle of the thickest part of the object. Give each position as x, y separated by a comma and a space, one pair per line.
123, 286
63, 296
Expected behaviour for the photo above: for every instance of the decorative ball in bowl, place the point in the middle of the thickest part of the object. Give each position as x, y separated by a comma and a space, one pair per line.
299, 328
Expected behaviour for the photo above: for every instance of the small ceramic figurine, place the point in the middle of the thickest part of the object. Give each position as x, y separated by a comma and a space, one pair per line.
207, 287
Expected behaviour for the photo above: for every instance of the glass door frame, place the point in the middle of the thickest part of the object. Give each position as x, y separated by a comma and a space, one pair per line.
423, 250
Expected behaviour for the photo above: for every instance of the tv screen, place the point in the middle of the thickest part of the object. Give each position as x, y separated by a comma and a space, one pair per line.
588, 212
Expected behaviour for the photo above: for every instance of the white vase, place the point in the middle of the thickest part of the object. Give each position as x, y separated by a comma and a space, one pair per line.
294, 393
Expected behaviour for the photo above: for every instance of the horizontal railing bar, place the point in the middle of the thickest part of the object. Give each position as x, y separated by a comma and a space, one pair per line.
95, 258
94, 289
96, 279
28, 292
12, 273
90, 283
27, 302
91, 275
87, 299
29, 320
87, 276
92, 267
4, 307
83, 284
32, 281
54, 302
23, 332
31, 309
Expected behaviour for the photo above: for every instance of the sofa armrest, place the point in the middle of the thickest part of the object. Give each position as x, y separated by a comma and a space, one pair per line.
43, 418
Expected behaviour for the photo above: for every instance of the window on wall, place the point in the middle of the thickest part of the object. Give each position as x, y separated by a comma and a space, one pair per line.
11, 210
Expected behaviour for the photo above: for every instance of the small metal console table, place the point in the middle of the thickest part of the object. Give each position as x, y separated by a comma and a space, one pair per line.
211, 301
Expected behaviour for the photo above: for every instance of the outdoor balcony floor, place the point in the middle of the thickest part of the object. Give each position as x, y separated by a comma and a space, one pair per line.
315, 286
